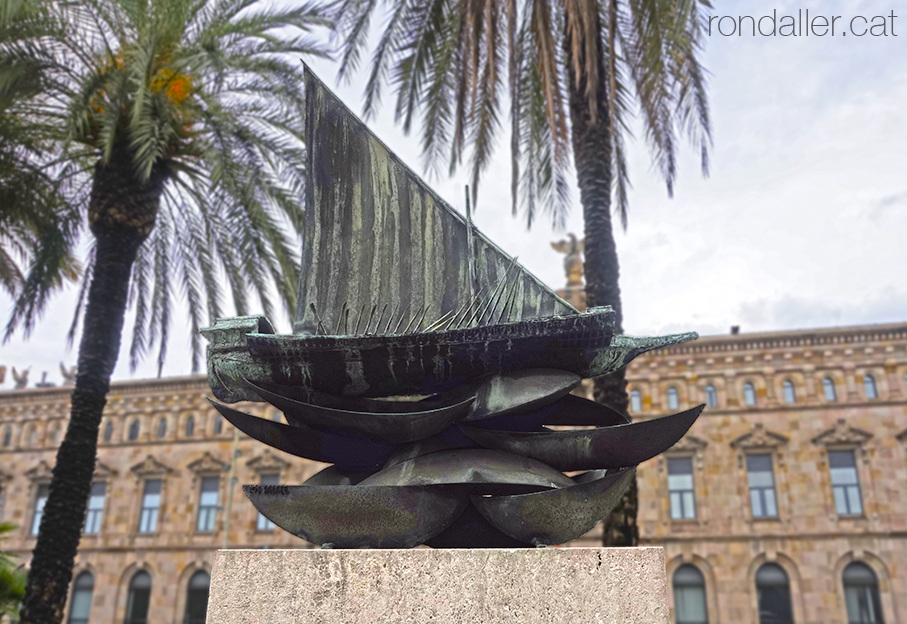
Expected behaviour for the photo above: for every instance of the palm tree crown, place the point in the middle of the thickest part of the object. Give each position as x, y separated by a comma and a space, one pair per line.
454, 60
179, 125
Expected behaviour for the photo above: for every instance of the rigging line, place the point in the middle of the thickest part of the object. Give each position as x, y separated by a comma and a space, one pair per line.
413, 319
402, 316
501, 283
359, 320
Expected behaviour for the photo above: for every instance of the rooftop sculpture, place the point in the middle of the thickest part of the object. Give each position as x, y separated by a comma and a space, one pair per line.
424, 365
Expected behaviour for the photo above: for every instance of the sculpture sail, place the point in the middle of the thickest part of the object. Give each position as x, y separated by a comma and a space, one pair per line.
376, 237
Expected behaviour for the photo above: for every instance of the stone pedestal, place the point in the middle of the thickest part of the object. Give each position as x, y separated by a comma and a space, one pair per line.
528, 586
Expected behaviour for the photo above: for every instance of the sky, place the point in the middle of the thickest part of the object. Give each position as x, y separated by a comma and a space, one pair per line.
802, 222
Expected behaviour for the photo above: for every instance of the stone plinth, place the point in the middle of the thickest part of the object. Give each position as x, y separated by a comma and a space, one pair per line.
528, 586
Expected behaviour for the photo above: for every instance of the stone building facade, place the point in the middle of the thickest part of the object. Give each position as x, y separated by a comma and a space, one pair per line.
796, 475
165, 505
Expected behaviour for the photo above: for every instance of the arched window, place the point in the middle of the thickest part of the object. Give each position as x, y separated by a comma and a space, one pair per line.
861, 594
673, 399
162, 428
711, 396
197, 598
869, 383
56, 436
829, 386
635, 401
689, 596
773, 592
790, 396
7, 436
190, 426
108, 431
134, 430
32, 435
749, 394
218, 425
138, 599
80, 606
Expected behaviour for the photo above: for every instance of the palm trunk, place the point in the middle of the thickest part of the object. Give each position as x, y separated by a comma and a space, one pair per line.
592, 155
121, 214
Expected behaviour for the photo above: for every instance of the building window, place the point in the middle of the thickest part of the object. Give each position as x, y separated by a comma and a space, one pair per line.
2, 501
197, 598
218, 425
829, 386
844, 483
689, 596
869, 383
134, 430
80, 606
162, 428
151, 503
40, 501
138, 599
108, 431
680, 488
207, 506
32, 435
190, 426
762, 485
56, 436
7, 436
711, 396
263, 524
749, 394
673, 400
95, 508
635, 402
773, 595
861, 595
789, 395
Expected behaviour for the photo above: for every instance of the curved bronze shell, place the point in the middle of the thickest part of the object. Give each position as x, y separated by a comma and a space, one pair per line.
482, 470
349, 453
590, 449
556, 516
393, 428
359, 516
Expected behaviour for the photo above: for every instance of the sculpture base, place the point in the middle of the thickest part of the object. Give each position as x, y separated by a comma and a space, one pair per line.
520, 586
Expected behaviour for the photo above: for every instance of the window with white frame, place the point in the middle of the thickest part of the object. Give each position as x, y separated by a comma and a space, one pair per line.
711, 396
151, 504
845, 483
828, 385
869, 384
790, 395
80, 604
262, 523
673, 399
635, 401
689, 595
749, 394
761, 481
680, 488
134, 430
207, 504
40, 501
162, 428
861, 594
95, 508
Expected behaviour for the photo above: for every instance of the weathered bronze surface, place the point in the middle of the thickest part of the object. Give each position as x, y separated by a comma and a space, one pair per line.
590, 449
400, 295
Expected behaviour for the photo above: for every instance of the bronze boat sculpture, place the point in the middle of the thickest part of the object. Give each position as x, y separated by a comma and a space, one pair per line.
424, 364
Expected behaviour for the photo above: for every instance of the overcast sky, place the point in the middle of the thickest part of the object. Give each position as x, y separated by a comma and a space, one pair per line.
802, 223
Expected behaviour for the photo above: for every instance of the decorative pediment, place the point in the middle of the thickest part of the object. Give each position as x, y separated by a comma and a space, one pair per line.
103, 472
688, 443
759, 437
150, 467
207, 463
41, 472
842, 434
267, 462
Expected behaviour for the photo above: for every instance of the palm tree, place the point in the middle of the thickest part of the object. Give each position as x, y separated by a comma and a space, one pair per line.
12, 579
574, 71
36, 223
183, 122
